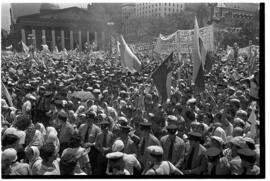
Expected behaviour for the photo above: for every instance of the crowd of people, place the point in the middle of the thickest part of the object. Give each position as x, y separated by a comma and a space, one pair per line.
120, 126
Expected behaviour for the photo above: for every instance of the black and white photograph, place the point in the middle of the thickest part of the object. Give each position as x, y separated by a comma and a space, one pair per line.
136, 90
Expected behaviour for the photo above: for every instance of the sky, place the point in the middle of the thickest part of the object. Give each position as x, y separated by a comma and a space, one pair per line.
5, 14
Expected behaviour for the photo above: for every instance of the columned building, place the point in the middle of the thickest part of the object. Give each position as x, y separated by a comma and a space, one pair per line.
65, 28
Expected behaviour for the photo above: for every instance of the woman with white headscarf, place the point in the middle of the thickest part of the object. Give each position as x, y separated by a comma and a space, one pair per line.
35, 161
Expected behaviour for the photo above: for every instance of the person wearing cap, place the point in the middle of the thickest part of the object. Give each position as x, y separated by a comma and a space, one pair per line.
195, 162
217, 164
104, 141
248, 157
159, 167
116, 164
131, 162
130, 146
231, 153
11, 166
173, 146
89, 130
65, 130
147, 139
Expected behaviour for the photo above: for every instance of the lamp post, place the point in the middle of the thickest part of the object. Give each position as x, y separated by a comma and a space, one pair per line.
110, 24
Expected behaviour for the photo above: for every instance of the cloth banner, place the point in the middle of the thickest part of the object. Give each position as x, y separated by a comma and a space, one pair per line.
181, 41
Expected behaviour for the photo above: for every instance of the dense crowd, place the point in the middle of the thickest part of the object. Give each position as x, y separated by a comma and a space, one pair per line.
115, 124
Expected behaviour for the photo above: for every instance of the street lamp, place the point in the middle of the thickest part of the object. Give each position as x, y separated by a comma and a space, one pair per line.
110, 24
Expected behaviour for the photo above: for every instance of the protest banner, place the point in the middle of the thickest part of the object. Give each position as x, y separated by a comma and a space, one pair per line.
181, 41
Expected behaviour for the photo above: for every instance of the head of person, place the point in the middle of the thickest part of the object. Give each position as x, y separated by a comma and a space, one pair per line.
116, 162
172, 130
237, 143
75, 141
67, 164
23, 122
104, 125
61, 118
9, 156
48, 152
145, 128
213, 154
90, 117
118, 146
32, 153
194, 138
156, 153
10, 141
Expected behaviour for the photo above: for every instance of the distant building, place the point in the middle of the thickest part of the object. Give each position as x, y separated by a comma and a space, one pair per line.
158, 9
236, 10
66, 28
128, 10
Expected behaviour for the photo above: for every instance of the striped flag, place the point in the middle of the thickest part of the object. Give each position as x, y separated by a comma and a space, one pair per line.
128, 59
198, 57
163, 78
6, 94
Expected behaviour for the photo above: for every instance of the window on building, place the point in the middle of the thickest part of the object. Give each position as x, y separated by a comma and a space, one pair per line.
165, 4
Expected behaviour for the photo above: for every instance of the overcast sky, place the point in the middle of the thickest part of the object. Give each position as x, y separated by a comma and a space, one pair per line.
5, 15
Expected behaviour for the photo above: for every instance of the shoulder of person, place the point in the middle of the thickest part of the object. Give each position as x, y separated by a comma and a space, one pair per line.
164, 138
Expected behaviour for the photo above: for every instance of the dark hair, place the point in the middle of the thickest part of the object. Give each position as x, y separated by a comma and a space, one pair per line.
190, 115
46, 151
67, 164
23, 122
64, 119
75, 141
9, 139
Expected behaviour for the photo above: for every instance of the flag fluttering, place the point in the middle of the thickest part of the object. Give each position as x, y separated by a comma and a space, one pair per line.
163, 78
198, 57
128, 59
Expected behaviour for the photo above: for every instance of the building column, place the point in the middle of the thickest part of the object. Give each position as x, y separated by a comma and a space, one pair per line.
34, 37
43, 37
87, 37
23, 35
71, 40
103, 40
53, 39
80, 39
96, 39
62, 39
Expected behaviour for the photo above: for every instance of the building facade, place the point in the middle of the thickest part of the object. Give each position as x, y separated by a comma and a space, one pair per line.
67, 28
158, 9
236, 10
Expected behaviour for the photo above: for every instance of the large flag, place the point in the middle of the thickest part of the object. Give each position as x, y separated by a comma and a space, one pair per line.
128, 59
163, 78
198, 57
6, 94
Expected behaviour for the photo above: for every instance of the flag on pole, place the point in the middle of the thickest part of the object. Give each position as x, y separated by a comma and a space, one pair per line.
128, 59
198, 57
6, 94
25, 48
163, 78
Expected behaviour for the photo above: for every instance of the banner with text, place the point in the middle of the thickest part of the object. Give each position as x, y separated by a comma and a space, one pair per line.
181, 41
